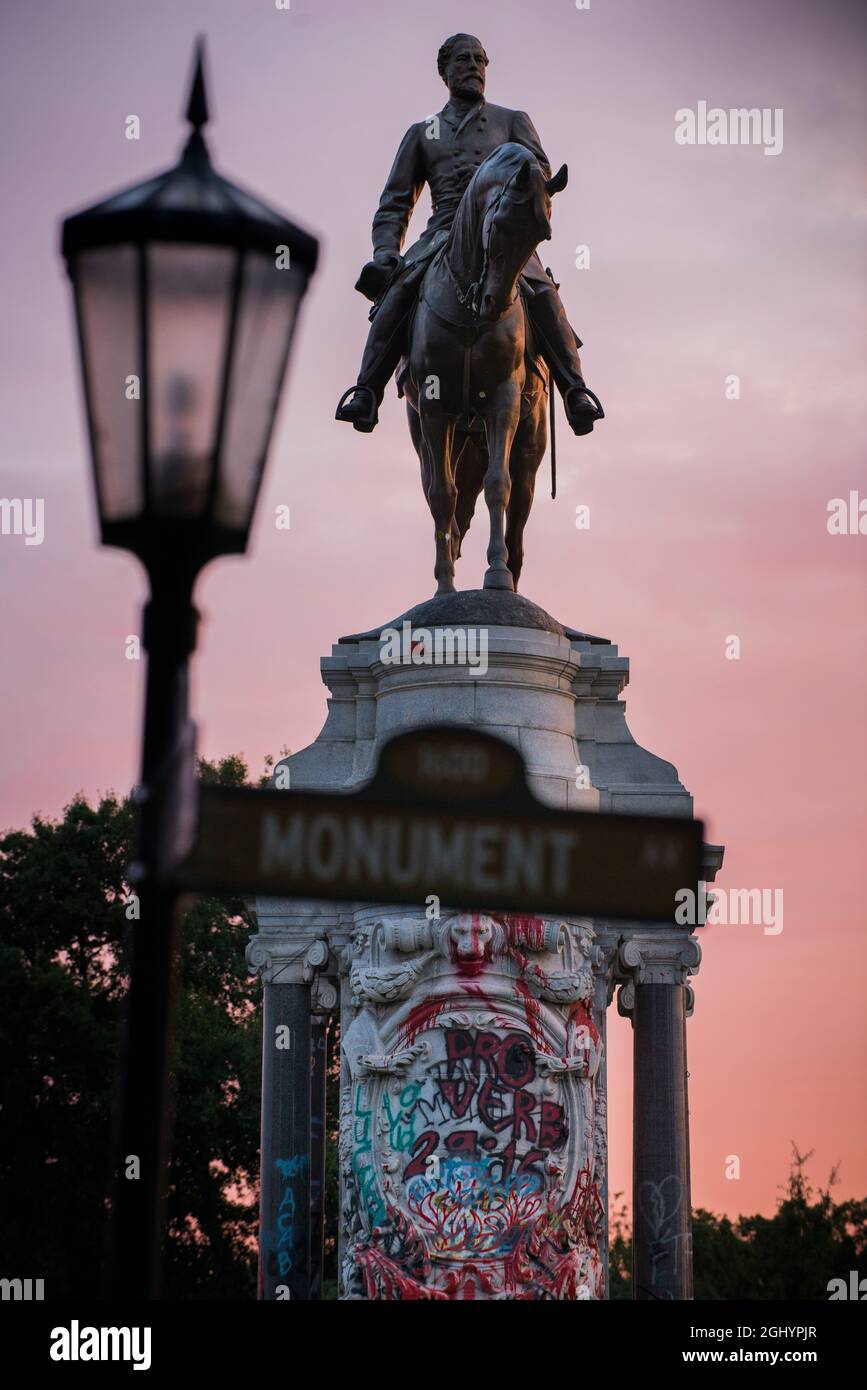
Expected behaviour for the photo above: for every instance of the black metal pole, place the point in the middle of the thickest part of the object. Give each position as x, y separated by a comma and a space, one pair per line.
284, 1234
662, 1223
142, 1102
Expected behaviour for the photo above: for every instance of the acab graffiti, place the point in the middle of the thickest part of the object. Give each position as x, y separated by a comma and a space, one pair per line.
285, 1235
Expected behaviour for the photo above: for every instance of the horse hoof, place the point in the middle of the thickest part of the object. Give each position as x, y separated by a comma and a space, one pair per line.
445, 588
499, 579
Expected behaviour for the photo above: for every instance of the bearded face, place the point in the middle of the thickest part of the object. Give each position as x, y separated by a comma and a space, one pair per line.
464, 72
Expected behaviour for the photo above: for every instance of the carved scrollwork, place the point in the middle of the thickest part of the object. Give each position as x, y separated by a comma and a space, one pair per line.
259, 960
551, 1065
392, 1062
408, 934
387, 984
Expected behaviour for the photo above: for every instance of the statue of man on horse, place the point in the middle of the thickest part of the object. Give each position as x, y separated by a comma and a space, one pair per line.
475, 320
444, 151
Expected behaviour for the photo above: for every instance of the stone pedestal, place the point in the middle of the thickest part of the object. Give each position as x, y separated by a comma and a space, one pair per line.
473, 1105
471, 1141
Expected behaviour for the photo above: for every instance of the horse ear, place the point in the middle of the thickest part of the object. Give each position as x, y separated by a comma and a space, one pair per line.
522, 178
558, 182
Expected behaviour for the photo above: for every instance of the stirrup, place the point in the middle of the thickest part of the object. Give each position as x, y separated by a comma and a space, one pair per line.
589, 421
368, 418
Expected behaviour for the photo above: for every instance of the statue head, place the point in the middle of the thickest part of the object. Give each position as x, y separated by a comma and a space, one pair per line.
468, 940
461, 63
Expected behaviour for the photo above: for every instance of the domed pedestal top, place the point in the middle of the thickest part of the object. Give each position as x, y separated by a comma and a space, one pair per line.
477, 608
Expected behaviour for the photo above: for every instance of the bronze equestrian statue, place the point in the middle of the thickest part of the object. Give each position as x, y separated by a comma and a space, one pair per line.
476, 401
474, 384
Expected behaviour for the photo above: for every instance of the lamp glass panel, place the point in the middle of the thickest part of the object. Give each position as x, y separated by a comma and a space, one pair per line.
189, 303
107, 294
270, 299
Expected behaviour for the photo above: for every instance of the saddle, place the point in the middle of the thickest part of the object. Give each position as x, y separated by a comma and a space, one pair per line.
414, 278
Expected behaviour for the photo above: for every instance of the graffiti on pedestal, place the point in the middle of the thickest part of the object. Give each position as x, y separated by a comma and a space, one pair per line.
281, 1243
470, 1140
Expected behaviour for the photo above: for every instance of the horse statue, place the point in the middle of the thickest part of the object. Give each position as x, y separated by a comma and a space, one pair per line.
475, 393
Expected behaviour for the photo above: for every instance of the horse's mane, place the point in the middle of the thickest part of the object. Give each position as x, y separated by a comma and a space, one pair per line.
492, 174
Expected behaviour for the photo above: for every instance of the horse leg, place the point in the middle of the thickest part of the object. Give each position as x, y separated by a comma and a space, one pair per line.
417, 438
500, 425
460, 444
469, 478
438, 432
520, 503
528, 450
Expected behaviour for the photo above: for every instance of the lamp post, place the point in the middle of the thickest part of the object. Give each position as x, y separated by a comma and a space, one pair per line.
187, 292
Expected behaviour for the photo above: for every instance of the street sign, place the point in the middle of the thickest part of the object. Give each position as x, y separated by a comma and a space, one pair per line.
447, 813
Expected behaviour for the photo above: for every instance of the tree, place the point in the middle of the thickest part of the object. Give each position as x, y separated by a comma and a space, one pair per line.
619, 1251
65, 908
790, 1255
794, 1253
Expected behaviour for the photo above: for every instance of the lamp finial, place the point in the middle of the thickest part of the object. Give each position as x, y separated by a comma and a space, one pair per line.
197, 107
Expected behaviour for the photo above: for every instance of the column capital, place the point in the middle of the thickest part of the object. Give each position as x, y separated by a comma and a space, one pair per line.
281, 962
657, 958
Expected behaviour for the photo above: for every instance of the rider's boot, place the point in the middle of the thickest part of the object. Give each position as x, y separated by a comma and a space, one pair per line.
382, 352
362, 410
559, 347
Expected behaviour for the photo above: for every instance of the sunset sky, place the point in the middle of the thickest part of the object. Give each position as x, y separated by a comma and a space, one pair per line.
708, 515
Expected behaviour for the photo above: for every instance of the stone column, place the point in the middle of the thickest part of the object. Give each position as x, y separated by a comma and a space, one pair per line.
287, 970
658, 963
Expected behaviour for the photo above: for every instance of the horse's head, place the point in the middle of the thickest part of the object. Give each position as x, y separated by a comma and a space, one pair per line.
512, 201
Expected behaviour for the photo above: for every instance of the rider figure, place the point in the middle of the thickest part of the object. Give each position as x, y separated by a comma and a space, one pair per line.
445, 151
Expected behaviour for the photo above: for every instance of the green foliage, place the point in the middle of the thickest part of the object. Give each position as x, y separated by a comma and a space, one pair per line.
793, 1254
619, 1251
63, 922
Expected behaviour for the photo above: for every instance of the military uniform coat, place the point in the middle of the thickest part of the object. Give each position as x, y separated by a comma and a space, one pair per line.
445, 151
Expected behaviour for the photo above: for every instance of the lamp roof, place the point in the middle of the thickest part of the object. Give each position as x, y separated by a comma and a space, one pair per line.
190, 202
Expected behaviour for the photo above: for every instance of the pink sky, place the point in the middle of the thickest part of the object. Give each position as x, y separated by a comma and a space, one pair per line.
708, 516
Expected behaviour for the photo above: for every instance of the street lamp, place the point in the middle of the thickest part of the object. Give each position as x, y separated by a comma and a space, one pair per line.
187, 292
